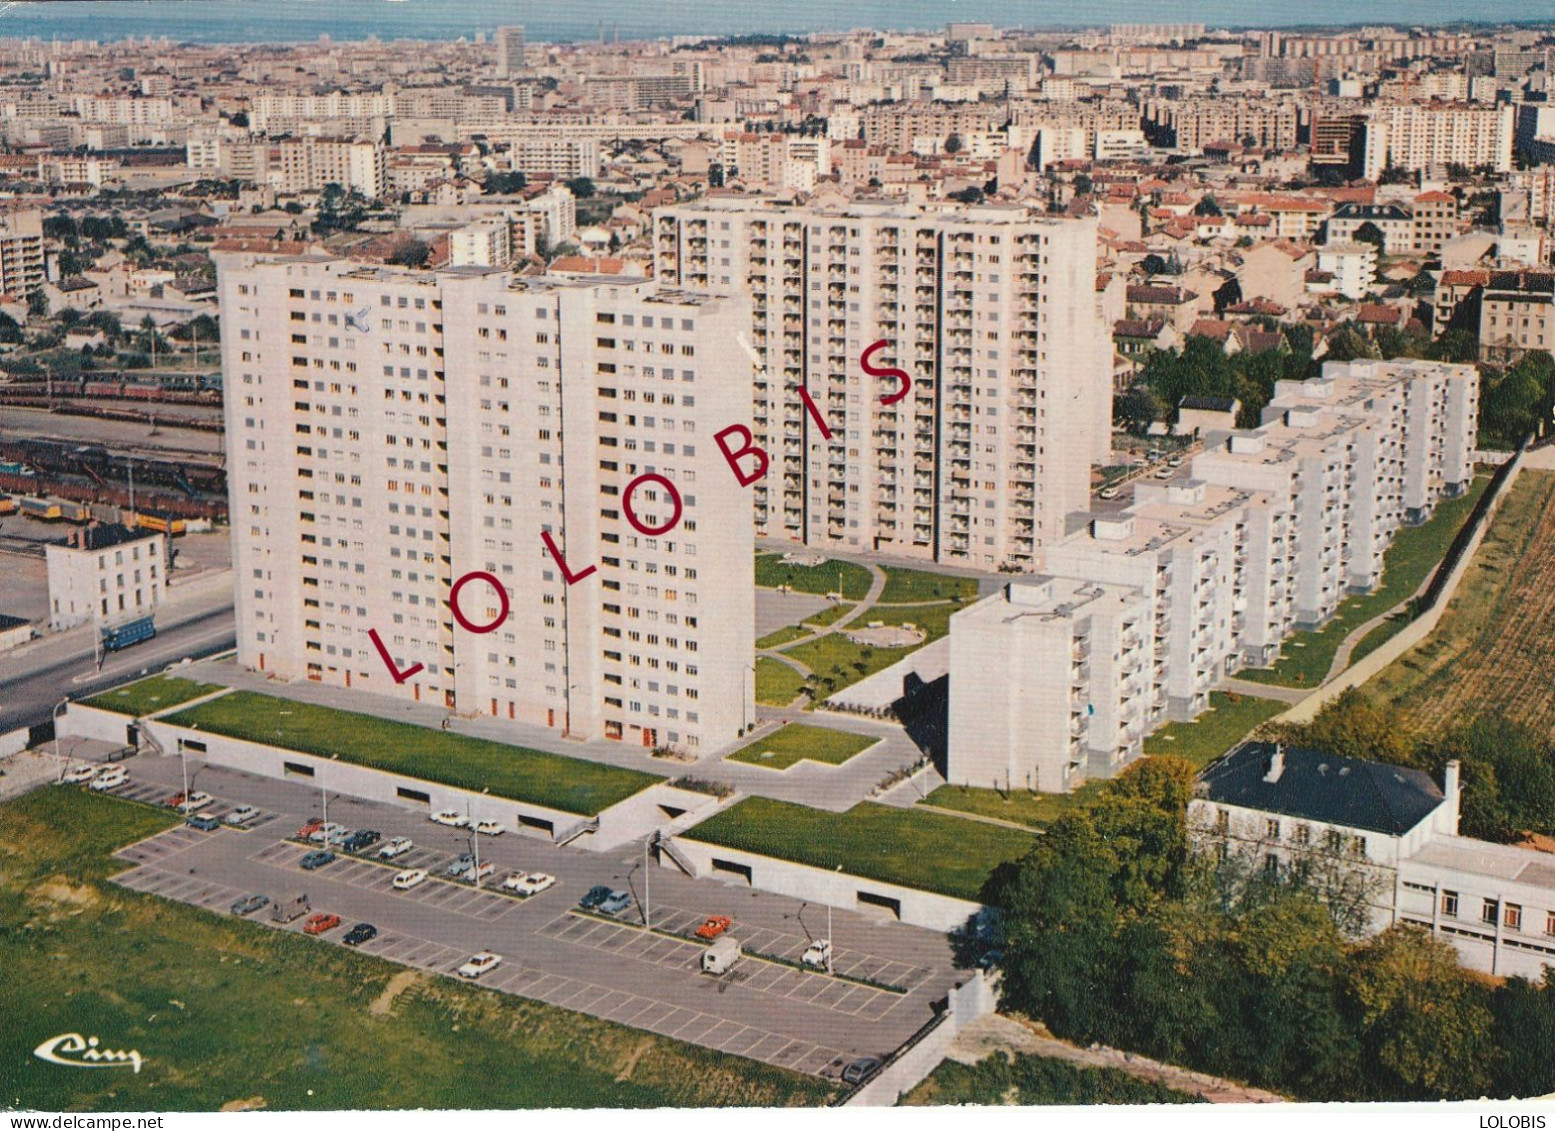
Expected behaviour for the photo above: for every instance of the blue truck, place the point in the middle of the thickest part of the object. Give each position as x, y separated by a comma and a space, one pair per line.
124, 635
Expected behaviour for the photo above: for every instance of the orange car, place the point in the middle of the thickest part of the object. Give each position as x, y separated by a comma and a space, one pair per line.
314, 825
715, 926
319, 922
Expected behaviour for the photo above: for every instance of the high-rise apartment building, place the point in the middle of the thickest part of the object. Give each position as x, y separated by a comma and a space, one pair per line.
510, 52
1137, 617
401, 440
990, 311
21, 251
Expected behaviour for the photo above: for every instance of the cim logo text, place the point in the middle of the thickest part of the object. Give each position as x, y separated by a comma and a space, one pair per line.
75, 1051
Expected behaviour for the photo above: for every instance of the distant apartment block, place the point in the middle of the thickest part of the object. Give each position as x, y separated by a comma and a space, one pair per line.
1268, 531
394, 431
309, 164
21, 251
1516, 314
1417, 136
510, 52
990, 310
556, 157
105, 573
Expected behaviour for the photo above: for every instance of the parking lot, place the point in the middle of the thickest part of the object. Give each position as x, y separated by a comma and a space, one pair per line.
610, 967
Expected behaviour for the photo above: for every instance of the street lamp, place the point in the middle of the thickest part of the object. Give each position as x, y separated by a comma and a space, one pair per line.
647, 891
475, 844
831, 943
55, 716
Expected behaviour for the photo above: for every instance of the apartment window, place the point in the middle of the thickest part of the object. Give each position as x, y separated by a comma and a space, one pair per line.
1272, 828
1488, 912
1450, 907
1512, 919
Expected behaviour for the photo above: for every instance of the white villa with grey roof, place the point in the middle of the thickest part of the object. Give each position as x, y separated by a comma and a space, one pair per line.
1495, 903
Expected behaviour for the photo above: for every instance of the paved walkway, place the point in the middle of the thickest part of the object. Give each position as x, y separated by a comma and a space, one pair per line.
1265, 690
1001, 1033
876, 587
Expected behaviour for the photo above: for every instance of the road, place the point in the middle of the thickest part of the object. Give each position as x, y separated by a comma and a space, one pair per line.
196, 621
614, 969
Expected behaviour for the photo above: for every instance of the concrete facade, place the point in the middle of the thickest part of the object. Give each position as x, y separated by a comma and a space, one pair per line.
105, 574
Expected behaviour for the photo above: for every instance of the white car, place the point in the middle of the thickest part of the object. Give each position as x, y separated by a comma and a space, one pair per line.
80, 774
451, 817
480, 964
407, 880
487, 868
396, 847
111, 778
489, 828
818, 954
534, 883
514, 881
242, 815
328, 829
195, 800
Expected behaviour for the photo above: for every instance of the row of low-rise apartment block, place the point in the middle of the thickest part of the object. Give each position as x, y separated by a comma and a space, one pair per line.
991, 311
1193, 124
1268, 531
293, 164
394, 431
1416, 136
1385, 840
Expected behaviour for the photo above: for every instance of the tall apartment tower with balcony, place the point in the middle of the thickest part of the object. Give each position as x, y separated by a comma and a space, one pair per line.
395, 432
21, 251
991, 312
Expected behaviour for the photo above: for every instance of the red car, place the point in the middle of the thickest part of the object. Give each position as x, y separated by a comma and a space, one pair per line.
310, 828
319, 922
176, 800
715, 926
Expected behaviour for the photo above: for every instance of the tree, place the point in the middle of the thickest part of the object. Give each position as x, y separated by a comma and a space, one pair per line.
969, 195
410, 253
38, 304
953, 143
1507, 777
1352, 726
504, 182
1425, 1027
1082, 185
581, 187
1137, 408
1208, 206
1370, 233
1525, 1033
1457, 345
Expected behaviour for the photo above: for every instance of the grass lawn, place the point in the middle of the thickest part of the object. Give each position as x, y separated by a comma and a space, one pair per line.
1306, 657
837, 658
1038, 810
829, 615
1001, 1079
1490, 651
149, 695
905, 586
798, 742
898, 846
224, 1010
772, 571
777, 684
1216, 730
569, 784
785, 635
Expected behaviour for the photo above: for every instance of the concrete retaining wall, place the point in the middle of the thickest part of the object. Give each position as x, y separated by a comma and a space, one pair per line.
14, 742
839, 889
94, 722
971, 1000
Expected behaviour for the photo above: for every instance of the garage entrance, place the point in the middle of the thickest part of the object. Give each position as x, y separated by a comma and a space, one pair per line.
879, 906
729, 870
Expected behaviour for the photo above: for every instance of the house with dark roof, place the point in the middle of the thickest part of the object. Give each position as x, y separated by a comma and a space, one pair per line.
1395, 830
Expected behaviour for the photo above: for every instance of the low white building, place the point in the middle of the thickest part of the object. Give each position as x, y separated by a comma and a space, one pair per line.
106, 573
1353, 267
1395, 832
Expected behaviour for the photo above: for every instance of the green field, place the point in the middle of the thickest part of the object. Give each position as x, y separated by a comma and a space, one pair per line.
907, 586
772, 571
150, 695
1001, 1079
553, 780
798, 742
785, 635
225, 1011
829, 615
777, 684
898, 846
1036, 810
1216, 730
1305, 657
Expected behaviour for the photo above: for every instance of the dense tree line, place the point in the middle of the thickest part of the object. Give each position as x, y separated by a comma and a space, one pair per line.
1115, 931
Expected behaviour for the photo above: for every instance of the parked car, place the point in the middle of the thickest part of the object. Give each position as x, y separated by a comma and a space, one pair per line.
489, 828
409, 879
1174, 461
362, 932
460, 866
480, 964
594, 897
322, 833
111, 778
309, 828
514, 880
615, 903
714, 926
861, 1070
817, 954
204, 824
722, 956
250, 904
319, 922
396, 848
1154, 453
485, 869
361, 839
534, 883
1108, 493
289, 907
196, 800
177, 800
77, 775
1163, 473
242, 815
340, 836
450, 817
316, 859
